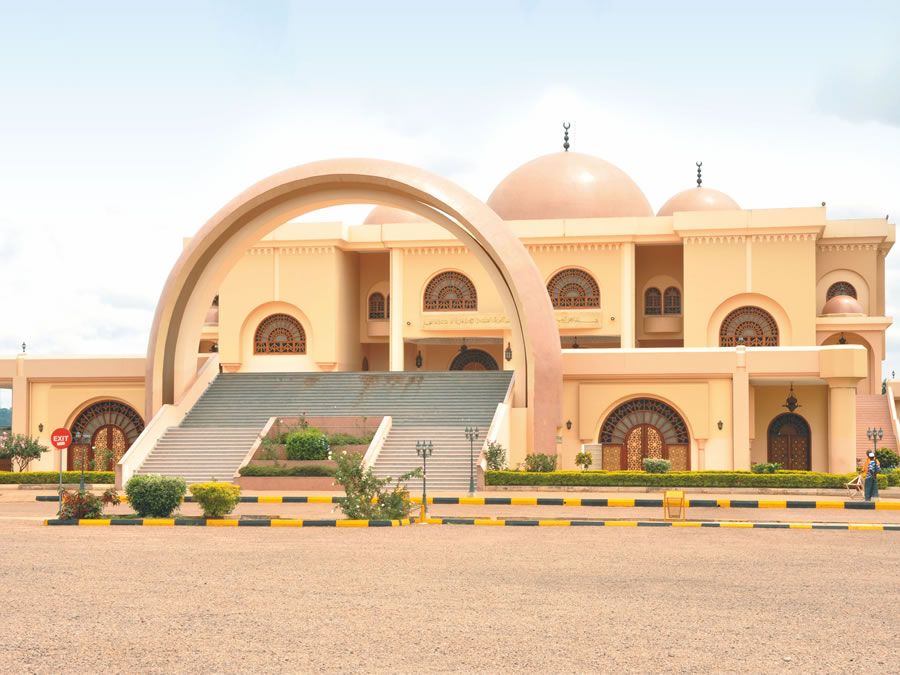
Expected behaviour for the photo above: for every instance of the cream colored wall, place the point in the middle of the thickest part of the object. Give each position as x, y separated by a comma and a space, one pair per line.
814, 402
793, 283
374, 275
57, 404
713, 272
346, 312
856, 264
659, 267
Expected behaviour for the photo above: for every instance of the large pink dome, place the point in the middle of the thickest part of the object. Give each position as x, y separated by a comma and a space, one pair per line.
388, 214
698, 199
568, 185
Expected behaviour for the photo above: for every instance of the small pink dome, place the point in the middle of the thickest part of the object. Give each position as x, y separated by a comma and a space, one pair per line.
568, 185
388, 214
212, 314
698, 199
842, 304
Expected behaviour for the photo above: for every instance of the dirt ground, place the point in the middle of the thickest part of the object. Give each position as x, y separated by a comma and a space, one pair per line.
445, 598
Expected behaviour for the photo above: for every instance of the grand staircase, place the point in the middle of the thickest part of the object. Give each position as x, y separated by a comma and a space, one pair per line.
220, 429
873, 411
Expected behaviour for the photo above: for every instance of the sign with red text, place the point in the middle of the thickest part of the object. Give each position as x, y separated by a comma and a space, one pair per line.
61, 438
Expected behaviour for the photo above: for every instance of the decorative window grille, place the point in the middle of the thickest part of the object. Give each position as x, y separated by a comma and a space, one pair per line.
474, 359
652, 302
450, 292
105, 414
640, 411
672, 301
377, 306
573, 288
749, 326
840, 288
279, 334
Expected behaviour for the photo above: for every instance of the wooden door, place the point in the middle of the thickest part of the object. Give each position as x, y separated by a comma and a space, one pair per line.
641, 442
789, 443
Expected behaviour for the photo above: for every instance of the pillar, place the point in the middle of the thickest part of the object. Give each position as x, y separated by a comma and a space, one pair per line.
395, 354
740, 412
841, 425
626, 311
20, 398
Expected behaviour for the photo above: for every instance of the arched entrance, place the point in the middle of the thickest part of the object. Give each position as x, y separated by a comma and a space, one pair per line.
644, 428
474, 359
203, 265
789, 442
101, 434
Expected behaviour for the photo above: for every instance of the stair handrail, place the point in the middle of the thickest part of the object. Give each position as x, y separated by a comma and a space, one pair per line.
378, 441
892, 405
168, 415
255, 446
501, 412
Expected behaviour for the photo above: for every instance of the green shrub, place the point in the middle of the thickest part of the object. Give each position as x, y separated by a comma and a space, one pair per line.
307, 444
584, 459
268, 449
887, 458
87, 505
313, 470
41, 477
495, 456
893, 477
369, 497
768, 467
153, 496
540, 463
657, 465
349, 439
216, 499
675, 479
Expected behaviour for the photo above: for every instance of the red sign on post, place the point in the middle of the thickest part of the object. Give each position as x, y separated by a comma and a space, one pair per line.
61, 438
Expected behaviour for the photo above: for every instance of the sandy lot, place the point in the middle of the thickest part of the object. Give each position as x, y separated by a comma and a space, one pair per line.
443, 598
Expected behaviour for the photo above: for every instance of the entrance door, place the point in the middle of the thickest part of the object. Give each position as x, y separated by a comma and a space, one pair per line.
789, 442
641, 442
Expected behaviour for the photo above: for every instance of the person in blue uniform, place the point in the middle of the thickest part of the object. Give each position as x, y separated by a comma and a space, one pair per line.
872, 469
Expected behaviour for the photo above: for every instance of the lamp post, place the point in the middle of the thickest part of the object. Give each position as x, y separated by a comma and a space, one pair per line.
472, 435
875, 435
424, 450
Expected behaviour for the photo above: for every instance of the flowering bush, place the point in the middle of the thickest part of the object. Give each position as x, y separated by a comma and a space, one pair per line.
540, 463
20, 449
77, 505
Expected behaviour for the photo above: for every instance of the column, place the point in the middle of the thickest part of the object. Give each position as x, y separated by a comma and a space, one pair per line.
841, 425
626, 311
20, 398
740, 412
396, 337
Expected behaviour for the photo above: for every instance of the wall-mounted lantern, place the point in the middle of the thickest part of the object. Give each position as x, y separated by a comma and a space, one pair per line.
419, 359
508, 352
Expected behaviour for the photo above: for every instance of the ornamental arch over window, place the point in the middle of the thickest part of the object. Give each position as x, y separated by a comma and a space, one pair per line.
840, 288
377, 306
573, 288
101, 434
450, 292
652, 302
279, 334
672, 301
474, 359
748, 326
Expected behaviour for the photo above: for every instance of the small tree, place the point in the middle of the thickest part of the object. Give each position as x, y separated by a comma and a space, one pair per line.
20, 449
495, 456
584, 459
369, 497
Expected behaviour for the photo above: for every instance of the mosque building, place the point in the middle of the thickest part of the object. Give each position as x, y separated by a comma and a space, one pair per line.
703, 332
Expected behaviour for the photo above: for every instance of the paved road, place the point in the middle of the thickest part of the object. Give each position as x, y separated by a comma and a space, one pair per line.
430, 598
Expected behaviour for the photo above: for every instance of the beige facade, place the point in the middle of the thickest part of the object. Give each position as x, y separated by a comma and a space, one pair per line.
712, 314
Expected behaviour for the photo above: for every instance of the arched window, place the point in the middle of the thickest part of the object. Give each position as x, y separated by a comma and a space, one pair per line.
279, 334
840, 288
652, 302
749, 326
644, 428
387, 306
474, 359
672, 301
376, 306
101, 434
450, 291
573, 288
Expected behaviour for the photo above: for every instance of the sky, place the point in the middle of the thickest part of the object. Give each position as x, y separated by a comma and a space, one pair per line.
125, 126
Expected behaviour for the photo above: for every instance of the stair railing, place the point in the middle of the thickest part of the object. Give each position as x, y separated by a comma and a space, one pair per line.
892, 406
255, 446
169, 415
378, 441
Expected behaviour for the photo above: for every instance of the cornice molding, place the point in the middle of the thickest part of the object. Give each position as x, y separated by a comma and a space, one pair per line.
841, 248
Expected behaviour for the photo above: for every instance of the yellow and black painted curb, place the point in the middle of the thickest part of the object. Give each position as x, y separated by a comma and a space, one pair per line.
663, 523
573, 501
214, 522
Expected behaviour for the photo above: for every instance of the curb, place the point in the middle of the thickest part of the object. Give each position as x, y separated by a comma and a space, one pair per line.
210, 522
661, 523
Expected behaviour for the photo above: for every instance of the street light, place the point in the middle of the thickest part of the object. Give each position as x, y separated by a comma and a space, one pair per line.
472, 435
875, 435
424, 450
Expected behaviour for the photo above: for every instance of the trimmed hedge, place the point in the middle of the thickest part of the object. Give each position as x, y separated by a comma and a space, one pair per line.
268, 471
216, 499
35, 477
675, 479
306, 444
155, 496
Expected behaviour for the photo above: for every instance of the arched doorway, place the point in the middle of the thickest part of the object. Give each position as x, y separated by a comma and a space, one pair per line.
222, 241
474, 359
101, 434
644, 428
789, 442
